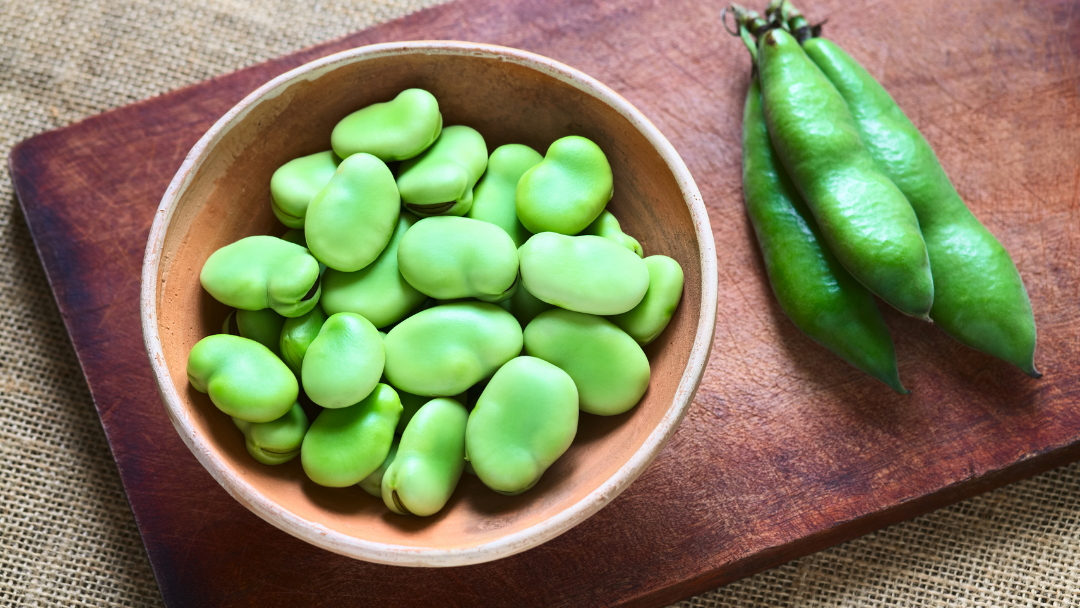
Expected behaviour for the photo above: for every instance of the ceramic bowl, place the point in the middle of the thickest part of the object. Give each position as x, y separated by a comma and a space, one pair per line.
221, 194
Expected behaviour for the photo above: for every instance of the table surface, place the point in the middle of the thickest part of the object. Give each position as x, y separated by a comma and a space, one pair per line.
53, 435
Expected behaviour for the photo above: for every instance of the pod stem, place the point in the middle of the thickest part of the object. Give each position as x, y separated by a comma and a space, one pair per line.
749, 26
793, 20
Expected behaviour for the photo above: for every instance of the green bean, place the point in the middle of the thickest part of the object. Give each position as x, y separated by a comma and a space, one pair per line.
260, 272
864, 217
297, 334
607, 226
394, 130
493, 199
277, 441
243, 378
294, 184
440, 181
344, 362
645, 321
458, 257
377, 292
351, 220
429, 460
344, 446
979, 297
263, 326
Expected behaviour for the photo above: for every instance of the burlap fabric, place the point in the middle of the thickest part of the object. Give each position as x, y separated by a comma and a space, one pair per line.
66, 533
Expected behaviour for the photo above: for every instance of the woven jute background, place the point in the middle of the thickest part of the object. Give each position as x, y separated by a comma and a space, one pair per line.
67, 536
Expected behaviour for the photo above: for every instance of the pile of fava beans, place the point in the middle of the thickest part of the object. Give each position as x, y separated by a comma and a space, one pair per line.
848, 201
454, 313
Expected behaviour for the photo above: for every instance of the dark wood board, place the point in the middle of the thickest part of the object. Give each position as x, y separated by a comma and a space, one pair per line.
786, 449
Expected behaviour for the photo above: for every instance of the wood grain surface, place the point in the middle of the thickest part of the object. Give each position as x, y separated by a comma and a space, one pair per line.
786, 449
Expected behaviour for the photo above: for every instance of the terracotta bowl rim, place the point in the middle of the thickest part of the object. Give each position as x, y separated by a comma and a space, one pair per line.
402, 555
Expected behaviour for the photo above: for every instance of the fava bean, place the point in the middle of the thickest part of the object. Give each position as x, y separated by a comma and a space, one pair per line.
351, 220
446, 349
295, 183
494, 197
607, 226
260, 272
645, 321
263, 326
277, 441
372, 484
525, 306
344, 362
440, 181
243, 378
588, 274
608, 367
377, 292
393, 130
567, 190
429, 461
524, 420
458, 257
297, 334
345, 445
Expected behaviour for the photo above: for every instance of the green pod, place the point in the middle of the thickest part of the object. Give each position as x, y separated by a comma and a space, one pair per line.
295, 183
393, 130
351, 220
429, 461
444, 350
979, 297
263, 326
457, 257
524, 420
377, 292
607, 226
344, 362
568, 190
865, 219
609, 368
277, 441
494, 197
645, 321
372, 484
345, 445
440, 181
587, 274
296, 336
260, 272
243, 378
525, 306
814, 290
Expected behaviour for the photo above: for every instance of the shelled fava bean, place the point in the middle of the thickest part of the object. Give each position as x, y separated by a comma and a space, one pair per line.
456, 316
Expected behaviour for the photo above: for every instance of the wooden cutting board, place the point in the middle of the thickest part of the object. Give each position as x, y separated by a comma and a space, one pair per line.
786, 450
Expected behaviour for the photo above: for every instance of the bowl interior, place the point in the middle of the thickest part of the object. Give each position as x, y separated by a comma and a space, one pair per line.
228, 198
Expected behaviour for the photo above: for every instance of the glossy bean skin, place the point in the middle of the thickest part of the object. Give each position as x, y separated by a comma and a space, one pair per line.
444, 350
567, 190
372, 484
277, 441
393, 130
458, 257
440, 181
813, 289
587, 274
429, 461
296, 336
260, 272
607, 226
979, 297
295, 183
525, 306
524, 420
494, 196
609, 368
344, 362
645, 321
865, 219
345, 445
377, 292
243, 378
351, 220
263, 326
